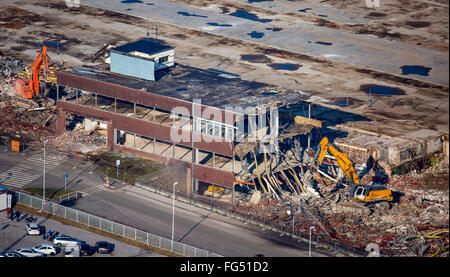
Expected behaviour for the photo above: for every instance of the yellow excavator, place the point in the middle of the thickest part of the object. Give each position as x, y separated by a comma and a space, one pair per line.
364, 193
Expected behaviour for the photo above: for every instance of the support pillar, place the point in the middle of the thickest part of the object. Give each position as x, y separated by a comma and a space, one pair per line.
109, 135
188, 181
232, 194
61, 122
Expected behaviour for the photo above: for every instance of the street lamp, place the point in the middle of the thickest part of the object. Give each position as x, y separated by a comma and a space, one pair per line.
291, 213
43, 183
310, 229
173, 214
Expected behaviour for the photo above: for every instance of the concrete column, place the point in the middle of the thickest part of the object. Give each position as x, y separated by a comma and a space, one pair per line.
109, 135
234, 164
214, 160
115, 105
96, 100
61, 122
232, 194
188, 181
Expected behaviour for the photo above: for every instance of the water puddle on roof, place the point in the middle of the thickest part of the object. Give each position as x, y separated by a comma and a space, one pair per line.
418, 24
132, 2
285, 66
150, 4
323, 42
376, 14
258, 1
181, 89
249, 16
255, 34
257, 58
304, 10
269, 93
381, 90
322, 15
219, 25
192, 14
415, 69
274, 29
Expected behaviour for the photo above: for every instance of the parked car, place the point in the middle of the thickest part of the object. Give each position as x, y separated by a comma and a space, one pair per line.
64, 241
46, 249
29, 252
11, 254
104, 247
87, 250
72, 251
33, 229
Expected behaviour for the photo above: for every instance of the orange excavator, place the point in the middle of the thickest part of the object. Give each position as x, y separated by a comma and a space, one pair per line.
30, 87
364, 193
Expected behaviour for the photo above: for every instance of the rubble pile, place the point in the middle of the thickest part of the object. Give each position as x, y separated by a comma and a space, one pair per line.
18, 122
400, 228
10, 66
79, 141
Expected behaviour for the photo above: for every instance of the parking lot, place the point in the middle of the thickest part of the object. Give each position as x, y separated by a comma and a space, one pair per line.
13, 235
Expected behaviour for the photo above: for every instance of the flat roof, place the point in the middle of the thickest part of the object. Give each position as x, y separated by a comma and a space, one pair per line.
188, 83
147, 46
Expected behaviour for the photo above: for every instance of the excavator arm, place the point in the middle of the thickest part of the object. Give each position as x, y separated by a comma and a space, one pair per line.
42, 58
342, 160
364, 193
29, 87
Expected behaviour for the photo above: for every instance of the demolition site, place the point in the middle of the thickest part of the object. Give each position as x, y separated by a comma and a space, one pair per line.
290, 140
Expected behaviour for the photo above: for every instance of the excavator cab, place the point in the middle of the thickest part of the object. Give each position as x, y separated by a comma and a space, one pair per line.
371, 193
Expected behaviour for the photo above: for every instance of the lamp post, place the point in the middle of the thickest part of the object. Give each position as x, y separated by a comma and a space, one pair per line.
310, 229
173, 214
43, 183
291, 213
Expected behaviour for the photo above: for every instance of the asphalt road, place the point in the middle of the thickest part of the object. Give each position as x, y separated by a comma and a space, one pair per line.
356, 49
153, 213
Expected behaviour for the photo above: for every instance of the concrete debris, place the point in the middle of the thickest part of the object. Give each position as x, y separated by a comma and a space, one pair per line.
10, 66
422, 207
256, 196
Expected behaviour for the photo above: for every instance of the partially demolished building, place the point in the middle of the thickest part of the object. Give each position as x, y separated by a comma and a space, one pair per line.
167, 113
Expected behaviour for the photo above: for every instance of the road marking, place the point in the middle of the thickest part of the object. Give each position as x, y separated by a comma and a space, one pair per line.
95, 189
23, 174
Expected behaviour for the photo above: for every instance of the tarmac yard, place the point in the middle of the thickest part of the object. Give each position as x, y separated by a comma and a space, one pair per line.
377, 75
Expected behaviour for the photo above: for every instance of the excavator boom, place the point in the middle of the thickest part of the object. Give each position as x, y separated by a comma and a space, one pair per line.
364, 193
29, 87
343, 162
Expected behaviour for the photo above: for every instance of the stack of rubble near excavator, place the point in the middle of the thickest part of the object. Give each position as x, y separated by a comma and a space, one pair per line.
414, 224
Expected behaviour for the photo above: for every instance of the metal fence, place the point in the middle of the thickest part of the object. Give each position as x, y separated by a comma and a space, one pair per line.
110, 226
69, 197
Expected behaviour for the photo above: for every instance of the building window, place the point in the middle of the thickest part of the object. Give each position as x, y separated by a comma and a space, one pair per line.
163, 59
